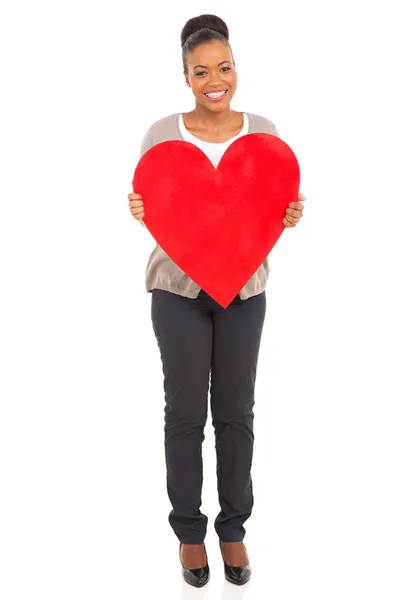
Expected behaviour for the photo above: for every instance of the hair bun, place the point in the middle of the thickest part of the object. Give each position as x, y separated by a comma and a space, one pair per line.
204, 22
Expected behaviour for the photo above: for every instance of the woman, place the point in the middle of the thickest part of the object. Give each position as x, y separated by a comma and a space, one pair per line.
196, 336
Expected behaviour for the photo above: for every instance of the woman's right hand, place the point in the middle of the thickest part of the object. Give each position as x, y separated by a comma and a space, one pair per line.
136, 206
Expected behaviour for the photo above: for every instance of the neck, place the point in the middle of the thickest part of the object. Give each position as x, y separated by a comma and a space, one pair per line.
209, 118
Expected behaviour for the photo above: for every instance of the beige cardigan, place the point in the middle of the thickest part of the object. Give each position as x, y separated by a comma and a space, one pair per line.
161, 272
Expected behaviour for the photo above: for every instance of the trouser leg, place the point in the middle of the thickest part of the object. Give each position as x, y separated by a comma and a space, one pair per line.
236, 341
183, 329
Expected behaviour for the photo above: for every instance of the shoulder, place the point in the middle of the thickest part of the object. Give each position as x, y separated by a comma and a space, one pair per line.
161, 130
260, 124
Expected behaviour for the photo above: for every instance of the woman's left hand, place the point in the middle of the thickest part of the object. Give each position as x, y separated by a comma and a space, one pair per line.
294, 212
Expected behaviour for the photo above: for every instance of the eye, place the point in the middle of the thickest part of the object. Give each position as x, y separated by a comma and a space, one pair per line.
201, 72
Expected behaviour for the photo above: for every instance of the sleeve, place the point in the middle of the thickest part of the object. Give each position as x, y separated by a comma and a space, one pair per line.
274, 130
147, 143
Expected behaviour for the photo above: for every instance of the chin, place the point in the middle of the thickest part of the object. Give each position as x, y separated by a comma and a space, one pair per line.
216, 106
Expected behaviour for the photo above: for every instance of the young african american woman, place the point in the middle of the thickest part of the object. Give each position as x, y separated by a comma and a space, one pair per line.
197, 337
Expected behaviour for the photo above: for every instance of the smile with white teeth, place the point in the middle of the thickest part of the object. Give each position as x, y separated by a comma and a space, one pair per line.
216, 94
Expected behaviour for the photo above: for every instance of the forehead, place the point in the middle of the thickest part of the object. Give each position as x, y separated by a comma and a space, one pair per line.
209, 53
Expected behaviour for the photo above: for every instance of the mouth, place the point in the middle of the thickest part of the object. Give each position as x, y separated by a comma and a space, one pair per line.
215, 96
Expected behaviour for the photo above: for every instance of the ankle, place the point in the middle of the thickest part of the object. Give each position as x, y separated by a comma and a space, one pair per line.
193, 556
234, 554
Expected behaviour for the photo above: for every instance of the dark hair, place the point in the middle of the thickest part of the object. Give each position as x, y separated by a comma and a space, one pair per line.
200, 30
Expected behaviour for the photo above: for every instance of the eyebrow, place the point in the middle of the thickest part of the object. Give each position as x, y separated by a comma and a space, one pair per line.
221, 63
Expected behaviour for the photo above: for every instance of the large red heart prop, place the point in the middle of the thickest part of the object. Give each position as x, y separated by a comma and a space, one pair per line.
218, 225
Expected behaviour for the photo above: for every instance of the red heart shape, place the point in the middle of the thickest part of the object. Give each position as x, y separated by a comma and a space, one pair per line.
218, 225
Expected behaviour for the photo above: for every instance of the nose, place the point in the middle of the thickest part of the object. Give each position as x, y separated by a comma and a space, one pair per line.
216, 84
214, 80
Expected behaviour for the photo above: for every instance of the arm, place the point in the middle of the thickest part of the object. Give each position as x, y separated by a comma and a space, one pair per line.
147, 143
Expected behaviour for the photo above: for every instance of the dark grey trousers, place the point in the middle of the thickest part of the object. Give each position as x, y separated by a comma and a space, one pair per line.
197, 337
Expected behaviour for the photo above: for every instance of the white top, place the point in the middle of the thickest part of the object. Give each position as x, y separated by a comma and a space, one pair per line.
214, 150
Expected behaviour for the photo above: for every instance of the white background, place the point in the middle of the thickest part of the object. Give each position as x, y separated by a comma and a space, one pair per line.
83, 499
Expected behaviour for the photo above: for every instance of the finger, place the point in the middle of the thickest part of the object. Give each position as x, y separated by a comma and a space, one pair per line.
287, 223
137, 211
294, 213
297, 205
301, 197
292, 220
134, 196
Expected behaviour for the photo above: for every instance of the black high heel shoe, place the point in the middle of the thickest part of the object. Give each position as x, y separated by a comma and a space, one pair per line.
236, 575
196, 577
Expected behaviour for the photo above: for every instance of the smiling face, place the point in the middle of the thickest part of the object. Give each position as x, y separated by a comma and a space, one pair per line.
210, 68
